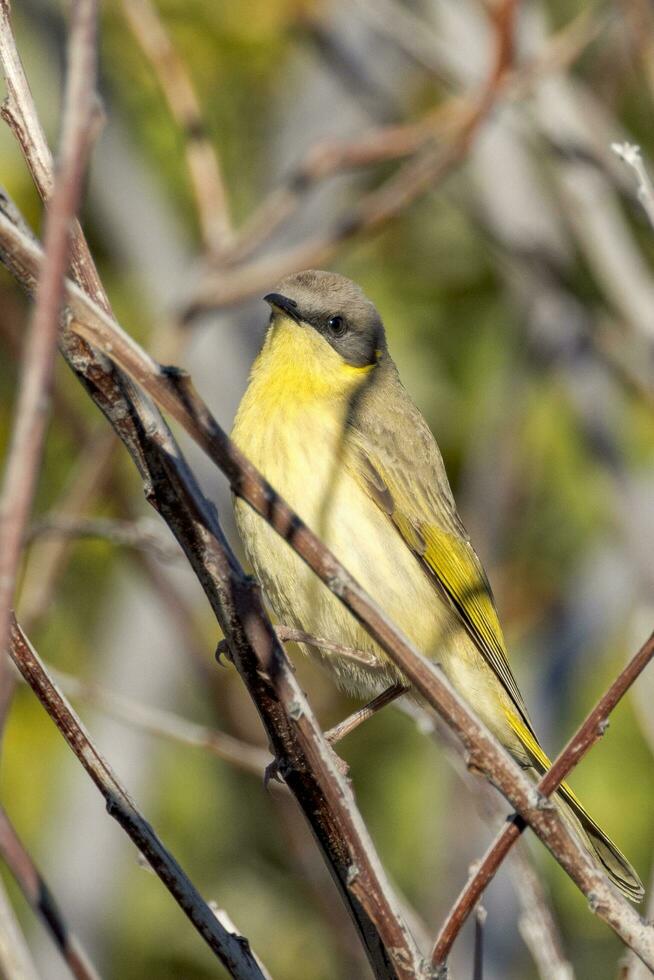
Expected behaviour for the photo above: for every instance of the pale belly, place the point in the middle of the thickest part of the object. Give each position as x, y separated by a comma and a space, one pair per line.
361, 536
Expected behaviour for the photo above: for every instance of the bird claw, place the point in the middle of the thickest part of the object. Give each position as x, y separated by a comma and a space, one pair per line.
222, 650
272, 771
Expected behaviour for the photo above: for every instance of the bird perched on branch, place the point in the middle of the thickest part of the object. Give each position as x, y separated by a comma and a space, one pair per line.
329, 424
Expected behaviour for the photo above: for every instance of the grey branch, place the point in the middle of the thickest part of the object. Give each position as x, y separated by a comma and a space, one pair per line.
174, 392
141, 534
41, 899
234, 951
32, 407
631, 155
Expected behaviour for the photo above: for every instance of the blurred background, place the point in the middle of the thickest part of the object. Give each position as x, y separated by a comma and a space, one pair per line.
456, 162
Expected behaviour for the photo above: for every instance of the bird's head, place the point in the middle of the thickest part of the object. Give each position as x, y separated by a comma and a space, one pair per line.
325, 336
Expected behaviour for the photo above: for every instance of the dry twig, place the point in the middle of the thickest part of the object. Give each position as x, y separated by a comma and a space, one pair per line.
41, 899
581, 742
233, 951
165, 724
140, 533
310, 771
201, 159
632, 157
174, 392
15, 959
536, 923
37, 367
424, 171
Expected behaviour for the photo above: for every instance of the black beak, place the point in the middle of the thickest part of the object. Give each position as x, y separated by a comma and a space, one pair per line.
283, 303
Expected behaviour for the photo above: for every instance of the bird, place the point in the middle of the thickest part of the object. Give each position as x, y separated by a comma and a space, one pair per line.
327, 421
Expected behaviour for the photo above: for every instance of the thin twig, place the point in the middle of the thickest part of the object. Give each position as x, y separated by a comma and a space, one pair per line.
379, 206
170, 486
589, 732
141, 533
15, 960
478, 959
329, 157
202, 162
536, 923
288, 634
233, 951
42, 901
165, 724
631, 155
174, 392
32, 405
344, 728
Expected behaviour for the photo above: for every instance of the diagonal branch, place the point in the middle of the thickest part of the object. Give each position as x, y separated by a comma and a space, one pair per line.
41, 899
419, 174
233, 950
32, 407
169, 485
581, 742
173, 391
204, 169
15, 959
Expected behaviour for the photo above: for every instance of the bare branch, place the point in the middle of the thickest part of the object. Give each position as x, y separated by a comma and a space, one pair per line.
41, 899
233, 951
288, 634
431, 165
170, 486
204, 168
141, 533
165, 724
32, 406
581, 742
15, 959
173, 391
631, 155
535, 923
344, 728
329, 157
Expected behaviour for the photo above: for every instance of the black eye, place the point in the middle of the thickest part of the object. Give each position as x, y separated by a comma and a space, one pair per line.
337, 326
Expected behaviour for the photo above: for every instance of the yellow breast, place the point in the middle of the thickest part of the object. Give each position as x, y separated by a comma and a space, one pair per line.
295, 434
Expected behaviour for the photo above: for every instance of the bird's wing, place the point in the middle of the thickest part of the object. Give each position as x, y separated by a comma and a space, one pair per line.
404, 474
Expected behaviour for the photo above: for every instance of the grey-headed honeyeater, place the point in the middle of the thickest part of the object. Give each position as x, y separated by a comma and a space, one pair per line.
328, 422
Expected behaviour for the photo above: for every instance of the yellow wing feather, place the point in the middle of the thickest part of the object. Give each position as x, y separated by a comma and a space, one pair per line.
423, 512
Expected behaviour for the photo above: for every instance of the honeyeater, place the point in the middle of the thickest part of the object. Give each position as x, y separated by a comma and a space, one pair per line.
327, 421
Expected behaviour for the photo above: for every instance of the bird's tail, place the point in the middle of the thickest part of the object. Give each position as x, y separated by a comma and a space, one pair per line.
609, 856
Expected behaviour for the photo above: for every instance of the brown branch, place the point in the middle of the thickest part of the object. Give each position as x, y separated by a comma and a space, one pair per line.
164, 724
325, 799
32, 405
42, 901
202, 162
326, 159
15, 959
426, 170
174, 392
353, 721
140, 533
581, 742
329, 157
233, 951
103, 382
288, 634
536, 923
